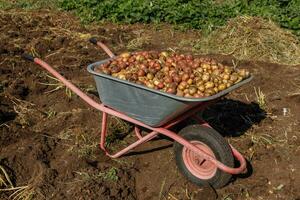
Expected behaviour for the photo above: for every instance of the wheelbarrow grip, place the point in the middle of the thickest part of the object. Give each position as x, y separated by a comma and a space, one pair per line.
93, 40
28, 57
103, 46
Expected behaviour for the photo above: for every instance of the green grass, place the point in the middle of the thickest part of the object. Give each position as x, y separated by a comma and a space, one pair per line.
110, 174
206, 14
5, 4
28, 4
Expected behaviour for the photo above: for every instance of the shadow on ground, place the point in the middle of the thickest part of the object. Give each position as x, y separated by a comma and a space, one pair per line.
233, 118
229, 117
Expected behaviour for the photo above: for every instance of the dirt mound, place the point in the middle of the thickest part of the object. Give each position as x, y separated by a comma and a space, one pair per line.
253, 38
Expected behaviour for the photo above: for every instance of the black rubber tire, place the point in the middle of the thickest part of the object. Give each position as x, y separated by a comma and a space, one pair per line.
218, 145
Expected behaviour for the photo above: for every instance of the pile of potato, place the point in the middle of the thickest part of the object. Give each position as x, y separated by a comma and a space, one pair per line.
178, 74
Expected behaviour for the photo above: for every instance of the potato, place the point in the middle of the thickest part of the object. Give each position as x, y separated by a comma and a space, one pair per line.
181, 75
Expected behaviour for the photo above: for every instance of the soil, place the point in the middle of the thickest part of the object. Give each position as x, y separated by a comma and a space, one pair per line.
49, 136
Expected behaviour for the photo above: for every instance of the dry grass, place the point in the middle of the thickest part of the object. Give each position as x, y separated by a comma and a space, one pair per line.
81, 143
162, 189
24, 110
4, 178
252, 38
58, 85
262, 139
26, 192
142, 39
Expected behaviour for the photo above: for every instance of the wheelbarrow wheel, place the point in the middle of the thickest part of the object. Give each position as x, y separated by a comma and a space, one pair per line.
197, 169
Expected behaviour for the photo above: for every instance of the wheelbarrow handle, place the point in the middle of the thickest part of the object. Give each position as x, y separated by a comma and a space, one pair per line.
28, 57
66, 82
103, 46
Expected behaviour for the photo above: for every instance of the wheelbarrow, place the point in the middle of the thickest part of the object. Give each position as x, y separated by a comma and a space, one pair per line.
202, 155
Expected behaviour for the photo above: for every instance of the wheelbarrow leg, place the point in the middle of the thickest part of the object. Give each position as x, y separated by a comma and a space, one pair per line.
130, 147
103, 131
137, 132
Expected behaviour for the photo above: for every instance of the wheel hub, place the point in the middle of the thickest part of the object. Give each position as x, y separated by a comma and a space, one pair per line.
196, 164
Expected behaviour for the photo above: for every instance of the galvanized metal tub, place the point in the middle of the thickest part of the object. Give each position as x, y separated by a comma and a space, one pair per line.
149, 106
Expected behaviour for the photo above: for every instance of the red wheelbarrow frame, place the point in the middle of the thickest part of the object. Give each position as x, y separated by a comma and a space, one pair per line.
164, 130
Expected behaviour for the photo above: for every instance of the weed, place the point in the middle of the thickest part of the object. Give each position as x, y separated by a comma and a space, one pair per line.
89, 89
187, 193
83, 149
51, 113
162, 189
3, 124
109, 175
171, 197
263, 139
227, 197
34, 52
110, 138
58, 86
235, 63
23, 110
80, 143
86, 150
279, 187
117, 130
65, 135
260, 98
